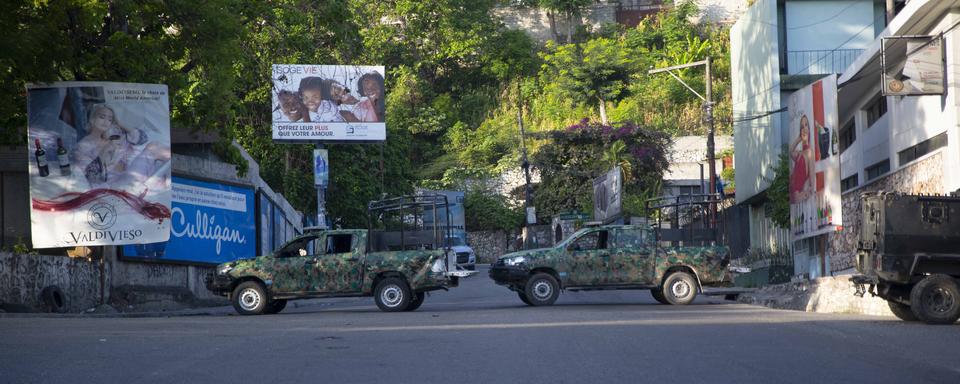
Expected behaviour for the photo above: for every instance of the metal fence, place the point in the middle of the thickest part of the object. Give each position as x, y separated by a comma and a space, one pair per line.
820, 62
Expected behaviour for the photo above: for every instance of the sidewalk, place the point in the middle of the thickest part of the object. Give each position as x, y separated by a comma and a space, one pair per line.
106, 311
823, 295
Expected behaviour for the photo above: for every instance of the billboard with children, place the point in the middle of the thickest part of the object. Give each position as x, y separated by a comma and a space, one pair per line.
99, 163
344, 103
815, 206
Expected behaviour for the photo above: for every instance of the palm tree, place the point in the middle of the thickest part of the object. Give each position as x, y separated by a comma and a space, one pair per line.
616, 156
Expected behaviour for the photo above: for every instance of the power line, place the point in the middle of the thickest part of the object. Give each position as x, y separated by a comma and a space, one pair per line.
826, 20
808, 66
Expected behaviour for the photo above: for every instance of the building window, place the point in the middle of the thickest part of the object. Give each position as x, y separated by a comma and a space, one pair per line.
875, 110
848, 134
874, 171
923, 148
849, 183
688, 190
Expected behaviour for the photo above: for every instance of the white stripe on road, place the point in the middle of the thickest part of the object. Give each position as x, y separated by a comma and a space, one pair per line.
598, 323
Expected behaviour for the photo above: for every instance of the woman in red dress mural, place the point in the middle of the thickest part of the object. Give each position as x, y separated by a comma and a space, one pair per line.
801, 182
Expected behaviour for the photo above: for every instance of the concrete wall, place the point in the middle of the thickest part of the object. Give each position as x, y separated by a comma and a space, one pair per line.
922, 177
825, 25
536, 22
489, 245
754, 45
23, 278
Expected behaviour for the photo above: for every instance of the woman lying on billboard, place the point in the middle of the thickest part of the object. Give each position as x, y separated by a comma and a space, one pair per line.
109, 155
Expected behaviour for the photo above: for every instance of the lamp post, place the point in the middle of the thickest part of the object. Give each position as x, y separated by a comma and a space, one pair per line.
707, 99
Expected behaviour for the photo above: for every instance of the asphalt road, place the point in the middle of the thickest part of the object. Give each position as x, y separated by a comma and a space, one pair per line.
482, 333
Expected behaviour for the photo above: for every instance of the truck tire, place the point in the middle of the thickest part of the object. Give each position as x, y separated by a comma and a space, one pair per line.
393, 294
679, 288
936, 299
249, 298
275, 306
901, 311
541, 289
657, 294
524, 299
416, 302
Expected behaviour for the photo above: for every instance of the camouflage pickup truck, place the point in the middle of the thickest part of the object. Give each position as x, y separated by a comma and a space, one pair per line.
397, 268
612, 257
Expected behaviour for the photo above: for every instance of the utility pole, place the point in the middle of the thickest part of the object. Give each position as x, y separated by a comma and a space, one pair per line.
708, 105
707, 99
525, 164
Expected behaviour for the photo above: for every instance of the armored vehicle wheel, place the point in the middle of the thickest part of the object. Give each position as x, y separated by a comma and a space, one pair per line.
416, 302
657, 294
936, 300
523, 298
393, 294
679, 288
275, 306
541, 289
249, 298
901, 311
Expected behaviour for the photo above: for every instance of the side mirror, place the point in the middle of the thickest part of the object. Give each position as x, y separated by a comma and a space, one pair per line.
574, 247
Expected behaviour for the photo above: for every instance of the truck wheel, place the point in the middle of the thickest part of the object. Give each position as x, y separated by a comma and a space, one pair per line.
275, 306
416, 302
542, 289
523, 298
249, 298
393, 294
901, 311
679, 288
936, 300
657, 294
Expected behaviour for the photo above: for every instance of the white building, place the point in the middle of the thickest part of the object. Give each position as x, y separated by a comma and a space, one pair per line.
909, 144
689, 171
778, 47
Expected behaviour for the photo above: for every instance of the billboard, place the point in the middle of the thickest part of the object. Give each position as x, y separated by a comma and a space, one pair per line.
912, 66
814, 160
210, 223
340, 103
321, 168
607, 191
99, 163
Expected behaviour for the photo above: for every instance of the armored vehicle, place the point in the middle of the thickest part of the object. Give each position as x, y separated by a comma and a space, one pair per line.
908, 253
396, 261
673, 263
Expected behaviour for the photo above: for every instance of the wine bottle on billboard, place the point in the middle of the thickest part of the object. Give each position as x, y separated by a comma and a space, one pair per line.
63, 158
41, 157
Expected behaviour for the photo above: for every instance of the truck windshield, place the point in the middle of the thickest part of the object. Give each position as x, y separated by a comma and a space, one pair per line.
456, 241
574, 236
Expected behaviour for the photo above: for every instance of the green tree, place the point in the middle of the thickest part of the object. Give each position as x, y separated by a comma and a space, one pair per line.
571, 159
779, 192
189, 46
595, 72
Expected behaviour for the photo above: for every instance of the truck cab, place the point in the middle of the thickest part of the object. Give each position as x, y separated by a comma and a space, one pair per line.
397, 268
908, 254
612, 257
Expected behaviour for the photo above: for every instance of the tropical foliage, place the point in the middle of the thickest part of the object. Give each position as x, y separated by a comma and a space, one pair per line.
458, 81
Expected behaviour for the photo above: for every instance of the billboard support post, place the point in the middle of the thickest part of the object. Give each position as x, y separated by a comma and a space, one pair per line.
321, 200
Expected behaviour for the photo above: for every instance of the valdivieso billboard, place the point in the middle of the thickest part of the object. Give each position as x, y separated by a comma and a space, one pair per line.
340, 103
210, 223
99, 163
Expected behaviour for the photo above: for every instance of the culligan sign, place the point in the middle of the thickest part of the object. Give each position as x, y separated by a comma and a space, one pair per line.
210, 223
